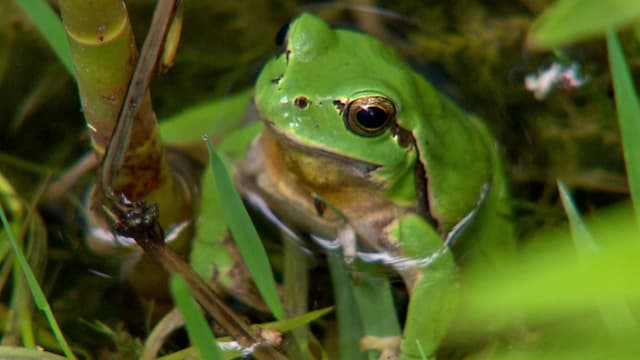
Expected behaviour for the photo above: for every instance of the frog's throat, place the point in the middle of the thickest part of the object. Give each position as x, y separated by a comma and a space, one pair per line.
364, 168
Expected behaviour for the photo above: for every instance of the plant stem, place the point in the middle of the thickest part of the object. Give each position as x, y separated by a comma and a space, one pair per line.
136, 164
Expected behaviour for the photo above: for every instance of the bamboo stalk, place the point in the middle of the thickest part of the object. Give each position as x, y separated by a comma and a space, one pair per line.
105, 55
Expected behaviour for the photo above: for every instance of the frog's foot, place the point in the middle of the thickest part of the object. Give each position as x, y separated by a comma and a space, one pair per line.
389, 346
432, 284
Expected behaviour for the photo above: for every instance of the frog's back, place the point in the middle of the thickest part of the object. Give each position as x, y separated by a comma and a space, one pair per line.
463, 157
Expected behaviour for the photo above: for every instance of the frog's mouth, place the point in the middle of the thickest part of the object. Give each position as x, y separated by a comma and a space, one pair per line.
314, 162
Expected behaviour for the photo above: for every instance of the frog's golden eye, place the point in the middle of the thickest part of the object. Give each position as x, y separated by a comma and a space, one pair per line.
370, 115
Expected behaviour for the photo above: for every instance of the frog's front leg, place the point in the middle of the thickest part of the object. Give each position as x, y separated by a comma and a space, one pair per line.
429, 271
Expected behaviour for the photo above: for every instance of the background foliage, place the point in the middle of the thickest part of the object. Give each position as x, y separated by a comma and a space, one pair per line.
474, 51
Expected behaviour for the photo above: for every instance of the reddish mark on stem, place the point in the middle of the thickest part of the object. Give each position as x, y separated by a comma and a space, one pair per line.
111, 99
101, 30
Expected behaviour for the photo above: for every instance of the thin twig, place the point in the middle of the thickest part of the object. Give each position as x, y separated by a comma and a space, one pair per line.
140, 221
209, 300
138, 85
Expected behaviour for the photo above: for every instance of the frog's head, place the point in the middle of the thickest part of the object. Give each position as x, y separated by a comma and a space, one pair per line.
336, 96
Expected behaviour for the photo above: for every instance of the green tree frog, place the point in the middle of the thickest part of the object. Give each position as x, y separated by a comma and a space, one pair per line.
412, 175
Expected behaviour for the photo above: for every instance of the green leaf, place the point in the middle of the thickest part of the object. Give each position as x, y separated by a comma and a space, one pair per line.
208, 252
216, 117
628, 116
50, 26
11, 352
568, 21
550, 281
197, 328
245, 234
350, 327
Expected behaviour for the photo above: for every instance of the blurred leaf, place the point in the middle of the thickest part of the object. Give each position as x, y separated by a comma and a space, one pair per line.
208, 252
10, 352
568, 21
46, 87
616, 315
9, 198
552, 282
628, 116
50, 26
579, 232
578, 349
197, 328
245, 234
214, 118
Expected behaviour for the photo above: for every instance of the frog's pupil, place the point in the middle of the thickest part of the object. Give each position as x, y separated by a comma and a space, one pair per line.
371, 117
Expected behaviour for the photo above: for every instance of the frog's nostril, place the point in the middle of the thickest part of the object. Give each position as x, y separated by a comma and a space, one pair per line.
276, 80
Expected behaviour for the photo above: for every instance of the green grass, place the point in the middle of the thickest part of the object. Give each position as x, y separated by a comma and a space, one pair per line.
350, 327
197, 327
34, 286
245, 234
628, 116
10, 352
555, 285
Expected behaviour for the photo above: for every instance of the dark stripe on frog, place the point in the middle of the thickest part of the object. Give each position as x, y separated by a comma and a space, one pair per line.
276, 80
406, 139
320, 206
340, 105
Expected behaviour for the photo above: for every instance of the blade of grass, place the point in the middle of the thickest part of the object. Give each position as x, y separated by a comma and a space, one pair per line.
568, 21
372, 292
617, 316
628, 110
222, 313
232, 352
197, 328
295, 322
34, 287
580, 234
296, 286
350, 328
22, 305
50, 26
10, 352
245, 234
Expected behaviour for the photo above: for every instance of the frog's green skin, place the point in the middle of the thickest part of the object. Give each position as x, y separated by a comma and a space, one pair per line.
431, 175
